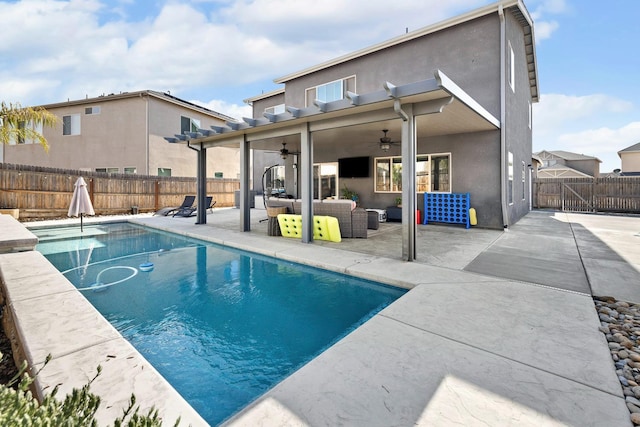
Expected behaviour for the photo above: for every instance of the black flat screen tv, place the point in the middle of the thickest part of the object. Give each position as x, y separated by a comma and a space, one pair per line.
353, 167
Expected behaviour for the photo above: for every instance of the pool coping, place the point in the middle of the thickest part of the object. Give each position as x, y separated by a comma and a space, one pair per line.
46, 315
414, 365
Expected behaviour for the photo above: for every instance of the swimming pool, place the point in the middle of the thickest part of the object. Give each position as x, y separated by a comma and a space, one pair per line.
221, 325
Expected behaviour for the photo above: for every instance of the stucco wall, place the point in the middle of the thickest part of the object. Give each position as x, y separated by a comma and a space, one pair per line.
630, 162
516, 124
466, 53
122, 136
164, 120
259, 106
114, 138
590, 167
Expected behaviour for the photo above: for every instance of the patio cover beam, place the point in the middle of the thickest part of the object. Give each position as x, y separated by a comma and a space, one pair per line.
409, 101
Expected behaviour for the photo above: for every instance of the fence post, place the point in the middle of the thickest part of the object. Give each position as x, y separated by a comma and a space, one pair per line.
91, 190
157, 196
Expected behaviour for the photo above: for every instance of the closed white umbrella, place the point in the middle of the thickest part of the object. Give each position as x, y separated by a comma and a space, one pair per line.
80, 202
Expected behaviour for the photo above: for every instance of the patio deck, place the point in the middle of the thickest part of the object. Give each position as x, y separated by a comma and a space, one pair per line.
498, 328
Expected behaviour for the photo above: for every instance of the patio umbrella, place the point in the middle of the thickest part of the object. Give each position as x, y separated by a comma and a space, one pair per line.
80, 202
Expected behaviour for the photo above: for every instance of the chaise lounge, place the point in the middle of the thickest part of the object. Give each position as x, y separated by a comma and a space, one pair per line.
186, 203
190, 211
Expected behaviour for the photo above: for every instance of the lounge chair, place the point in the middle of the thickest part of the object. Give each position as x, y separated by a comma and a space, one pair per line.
191, 210
187, 203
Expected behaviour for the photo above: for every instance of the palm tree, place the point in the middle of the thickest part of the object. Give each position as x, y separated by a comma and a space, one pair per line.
19, 123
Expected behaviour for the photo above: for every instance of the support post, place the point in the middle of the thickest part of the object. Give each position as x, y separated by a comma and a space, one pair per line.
409, 202
306, 160
202, 186
245, 211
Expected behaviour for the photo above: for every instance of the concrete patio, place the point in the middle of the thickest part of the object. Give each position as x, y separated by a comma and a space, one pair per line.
499, 328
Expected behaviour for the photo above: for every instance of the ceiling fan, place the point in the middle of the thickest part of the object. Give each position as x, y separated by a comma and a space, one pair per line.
385, 141
284, 151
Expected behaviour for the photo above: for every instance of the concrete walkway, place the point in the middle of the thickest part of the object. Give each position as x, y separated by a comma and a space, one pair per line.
499, 328
505, 334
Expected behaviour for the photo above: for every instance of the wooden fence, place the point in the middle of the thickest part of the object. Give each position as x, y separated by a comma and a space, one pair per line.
46, 192
588, 194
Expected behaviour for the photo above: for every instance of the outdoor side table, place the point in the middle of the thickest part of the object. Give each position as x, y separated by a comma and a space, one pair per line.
273, 228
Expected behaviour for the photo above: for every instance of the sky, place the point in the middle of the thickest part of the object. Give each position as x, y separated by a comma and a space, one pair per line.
216, 53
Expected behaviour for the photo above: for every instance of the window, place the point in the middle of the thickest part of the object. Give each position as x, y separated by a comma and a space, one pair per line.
524, 180
511, 67
440, 177
510, 184
108, 170
432, 173
164, 171
188, 124
71, 124
130, 170
218, 175
276, 109
325, 181
92, 110
25, 126
332, 91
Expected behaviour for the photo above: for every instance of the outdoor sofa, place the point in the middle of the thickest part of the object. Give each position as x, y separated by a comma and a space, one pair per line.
352, 220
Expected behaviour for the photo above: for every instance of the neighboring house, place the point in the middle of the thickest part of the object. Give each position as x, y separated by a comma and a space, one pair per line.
123, 133
466, 130
564, 164
630, 159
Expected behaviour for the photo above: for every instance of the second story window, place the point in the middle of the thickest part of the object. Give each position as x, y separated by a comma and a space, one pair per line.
276, 109
332, 91
188, 124
511, 68
71, 124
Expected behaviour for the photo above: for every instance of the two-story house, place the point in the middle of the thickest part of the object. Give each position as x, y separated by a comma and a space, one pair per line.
565, 164
630, 160
123, 133
444, 109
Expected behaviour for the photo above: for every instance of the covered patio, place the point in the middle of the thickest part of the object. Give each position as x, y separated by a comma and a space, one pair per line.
327, 131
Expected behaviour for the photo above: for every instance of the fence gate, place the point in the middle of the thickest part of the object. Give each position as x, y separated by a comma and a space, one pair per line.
577, 197
610, 194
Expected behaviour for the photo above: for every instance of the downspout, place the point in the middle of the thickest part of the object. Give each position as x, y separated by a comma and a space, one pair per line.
408, 178
503, 109
146, 112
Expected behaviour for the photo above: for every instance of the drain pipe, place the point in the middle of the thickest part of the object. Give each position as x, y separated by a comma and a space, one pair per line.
503, 108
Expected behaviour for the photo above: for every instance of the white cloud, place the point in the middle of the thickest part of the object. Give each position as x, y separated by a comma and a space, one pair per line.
543, 27
233, 110
556, 111
603, 143
602, 140
585, 125
87, 47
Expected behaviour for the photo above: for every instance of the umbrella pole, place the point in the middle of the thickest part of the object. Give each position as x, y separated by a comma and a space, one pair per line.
81, 222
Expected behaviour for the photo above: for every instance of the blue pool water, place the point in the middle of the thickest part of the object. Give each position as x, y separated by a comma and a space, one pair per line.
221, 325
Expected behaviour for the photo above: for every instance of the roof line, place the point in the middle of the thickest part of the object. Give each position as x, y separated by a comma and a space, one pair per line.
477, 13
263, 96
124, 95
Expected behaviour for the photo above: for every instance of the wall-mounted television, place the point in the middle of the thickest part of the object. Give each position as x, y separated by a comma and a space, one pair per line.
353, 167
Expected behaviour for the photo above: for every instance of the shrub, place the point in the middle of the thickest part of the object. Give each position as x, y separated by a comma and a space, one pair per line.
18, 407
